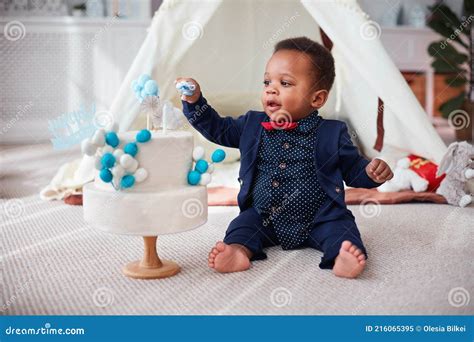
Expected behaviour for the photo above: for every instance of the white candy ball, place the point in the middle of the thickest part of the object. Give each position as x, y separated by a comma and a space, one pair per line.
210, 168
133, 167
98, 139
205, 179
112, 126
140, 175
126, 161
98, 162
107, 149
118, 171
88, 148
118, 153
198, 153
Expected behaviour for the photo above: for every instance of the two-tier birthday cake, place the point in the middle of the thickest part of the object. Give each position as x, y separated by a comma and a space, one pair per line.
146, 183
162, 203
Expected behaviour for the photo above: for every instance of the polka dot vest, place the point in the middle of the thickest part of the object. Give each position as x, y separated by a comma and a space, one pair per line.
285, 189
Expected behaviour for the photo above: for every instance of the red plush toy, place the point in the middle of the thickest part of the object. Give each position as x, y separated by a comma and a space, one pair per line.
427, 170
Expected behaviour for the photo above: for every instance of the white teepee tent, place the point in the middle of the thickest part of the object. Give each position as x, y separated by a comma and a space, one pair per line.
224, 45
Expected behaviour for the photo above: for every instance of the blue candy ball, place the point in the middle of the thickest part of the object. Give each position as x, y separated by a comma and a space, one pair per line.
106, 175
108, 160
131, 149
136, 87
194, 177
201, 166
143, 79
218, 156
143, 136
112, 139
127, 181
143, 94
151, 88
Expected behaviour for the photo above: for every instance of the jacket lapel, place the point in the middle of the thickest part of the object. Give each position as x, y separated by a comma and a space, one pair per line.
250, 156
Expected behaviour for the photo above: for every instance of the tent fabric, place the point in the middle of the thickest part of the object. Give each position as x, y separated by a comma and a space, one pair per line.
225, 45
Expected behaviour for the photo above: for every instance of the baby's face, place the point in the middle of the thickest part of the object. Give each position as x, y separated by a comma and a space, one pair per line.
289, 85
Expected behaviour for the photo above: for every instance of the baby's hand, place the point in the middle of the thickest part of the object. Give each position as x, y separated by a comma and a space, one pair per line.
379, 171
197, 92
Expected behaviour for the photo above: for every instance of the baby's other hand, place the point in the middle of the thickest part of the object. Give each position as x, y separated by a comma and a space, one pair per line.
379, 171
197, 92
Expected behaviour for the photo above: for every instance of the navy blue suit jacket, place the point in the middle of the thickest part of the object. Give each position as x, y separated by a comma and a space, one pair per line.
336, 158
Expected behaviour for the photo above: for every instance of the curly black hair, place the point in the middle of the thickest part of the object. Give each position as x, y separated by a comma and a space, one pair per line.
323, 62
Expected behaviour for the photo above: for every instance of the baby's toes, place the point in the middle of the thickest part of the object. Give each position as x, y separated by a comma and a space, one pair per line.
210, 260
220, 246
357, 252
346, 245
361, 257
352, 249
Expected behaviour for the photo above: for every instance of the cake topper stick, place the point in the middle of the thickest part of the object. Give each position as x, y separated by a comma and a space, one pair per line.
168, 112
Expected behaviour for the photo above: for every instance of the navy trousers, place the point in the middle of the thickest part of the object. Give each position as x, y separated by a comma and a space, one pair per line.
248, 229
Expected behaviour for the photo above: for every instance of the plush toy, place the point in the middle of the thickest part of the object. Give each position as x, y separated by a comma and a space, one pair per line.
458, 165
186, 88
404, 179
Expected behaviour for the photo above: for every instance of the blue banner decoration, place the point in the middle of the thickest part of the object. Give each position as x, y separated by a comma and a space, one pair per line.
237, 328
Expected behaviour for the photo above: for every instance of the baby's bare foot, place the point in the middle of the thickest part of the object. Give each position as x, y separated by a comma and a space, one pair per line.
350, 262
229, 258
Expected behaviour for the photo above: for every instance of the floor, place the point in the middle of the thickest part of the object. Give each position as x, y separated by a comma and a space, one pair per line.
420, 260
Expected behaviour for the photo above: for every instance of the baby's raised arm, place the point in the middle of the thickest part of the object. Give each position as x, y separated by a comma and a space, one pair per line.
225, 131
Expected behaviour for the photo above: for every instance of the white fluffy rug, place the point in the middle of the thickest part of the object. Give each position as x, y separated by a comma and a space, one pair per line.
420, 261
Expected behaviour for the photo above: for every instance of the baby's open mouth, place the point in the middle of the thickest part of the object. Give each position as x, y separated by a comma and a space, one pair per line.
273, 105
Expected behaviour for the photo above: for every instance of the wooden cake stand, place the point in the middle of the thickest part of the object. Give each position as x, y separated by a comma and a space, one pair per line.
151, 266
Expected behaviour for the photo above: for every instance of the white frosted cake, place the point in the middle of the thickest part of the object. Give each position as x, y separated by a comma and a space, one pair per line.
162, 203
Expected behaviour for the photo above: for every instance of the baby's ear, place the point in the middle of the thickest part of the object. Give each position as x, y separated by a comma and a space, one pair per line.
319, 98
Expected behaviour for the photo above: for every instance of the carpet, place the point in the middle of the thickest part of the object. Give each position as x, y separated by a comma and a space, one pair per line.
420, 261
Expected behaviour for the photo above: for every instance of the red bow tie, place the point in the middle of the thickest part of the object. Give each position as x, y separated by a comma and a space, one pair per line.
286, 126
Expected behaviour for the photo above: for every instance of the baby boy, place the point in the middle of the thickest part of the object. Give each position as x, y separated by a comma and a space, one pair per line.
293, 164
